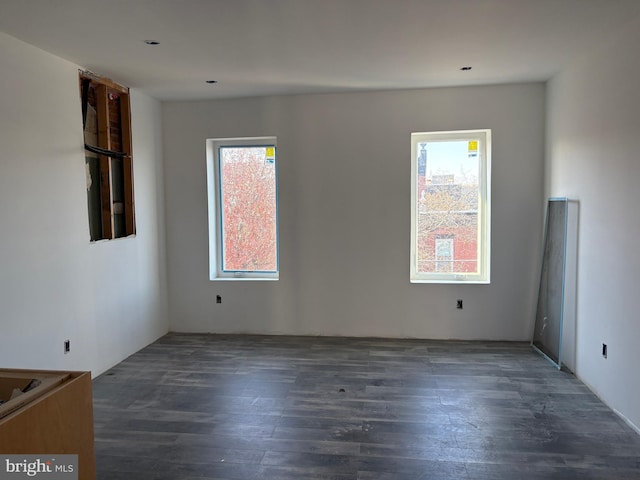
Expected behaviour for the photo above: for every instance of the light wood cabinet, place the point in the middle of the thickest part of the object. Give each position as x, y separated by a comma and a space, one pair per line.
58, 419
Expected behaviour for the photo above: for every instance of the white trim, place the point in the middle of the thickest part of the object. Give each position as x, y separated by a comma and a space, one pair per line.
484, 207
625, 419
214, 213
593, 390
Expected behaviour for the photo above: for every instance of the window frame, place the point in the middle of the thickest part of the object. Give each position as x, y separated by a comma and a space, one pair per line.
484, 207
215, 216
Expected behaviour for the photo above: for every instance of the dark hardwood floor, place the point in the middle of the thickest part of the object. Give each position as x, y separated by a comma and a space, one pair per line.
257, 407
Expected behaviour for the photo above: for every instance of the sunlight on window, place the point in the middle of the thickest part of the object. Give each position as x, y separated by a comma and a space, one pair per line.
248, 191
242, 187
450, 206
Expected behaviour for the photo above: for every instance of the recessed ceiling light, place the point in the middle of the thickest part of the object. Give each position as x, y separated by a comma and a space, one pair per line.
211, 81
465, 69
152, 42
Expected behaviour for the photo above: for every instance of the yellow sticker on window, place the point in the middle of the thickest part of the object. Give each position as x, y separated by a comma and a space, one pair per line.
473, 146
271, 152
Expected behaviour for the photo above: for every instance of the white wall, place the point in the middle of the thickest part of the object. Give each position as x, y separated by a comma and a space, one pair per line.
344, 185
593, 152
108, 298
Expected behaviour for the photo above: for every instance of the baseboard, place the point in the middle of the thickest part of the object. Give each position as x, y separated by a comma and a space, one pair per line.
633, 426
627, 421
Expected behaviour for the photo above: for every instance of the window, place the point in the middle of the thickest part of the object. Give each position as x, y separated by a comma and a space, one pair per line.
444, 254
243, 208
450, 206
106, 122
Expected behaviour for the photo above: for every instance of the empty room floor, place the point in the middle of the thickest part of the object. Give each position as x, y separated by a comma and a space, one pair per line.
267, 407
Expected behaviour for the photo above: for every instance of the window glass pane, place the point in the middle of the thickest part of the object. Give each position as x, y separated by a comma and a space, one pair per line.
448, 197
249, 208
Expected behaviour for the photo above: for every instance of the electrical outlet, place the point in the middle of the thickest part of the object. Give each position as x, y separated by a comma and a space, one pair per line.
459, 304
604, 350
218, 299
67, 346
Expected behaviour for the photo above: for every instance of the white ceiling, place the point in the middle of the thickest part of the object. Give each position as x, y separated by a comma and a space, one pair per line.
264, 47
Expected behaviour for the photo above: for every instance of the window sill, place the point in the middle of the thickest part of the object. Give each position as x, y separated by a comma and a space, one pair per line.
244, 279
454, 282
